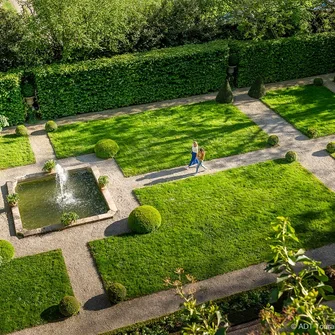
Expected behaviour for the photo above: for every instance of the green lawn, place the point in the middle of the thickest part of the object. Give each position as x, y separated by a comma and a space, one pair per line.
162, 139
30, 289
305, 107
217, 223
15, 151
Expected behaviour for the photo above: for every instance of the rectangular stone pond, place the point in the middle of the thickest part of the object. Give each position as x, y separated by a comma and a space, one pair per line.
42, 200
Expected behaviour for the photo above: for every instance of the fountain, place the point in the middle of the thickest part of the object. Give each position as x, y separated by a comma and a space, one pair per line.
65, 196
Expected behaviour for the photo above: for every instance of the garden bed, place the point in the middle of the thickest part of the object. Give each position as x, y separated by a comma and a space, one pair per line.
217, 223
162, 139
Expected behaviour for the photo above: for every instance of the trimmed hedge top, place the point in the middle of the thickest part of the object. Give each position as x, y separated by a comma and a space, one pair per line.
144, 219
89, 86
7, 251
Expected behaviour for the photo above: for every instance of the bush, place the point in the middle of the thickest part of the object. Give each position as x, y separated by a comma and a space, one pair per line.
28, 90
291, 156
273, 140
225, 95
49, 165
3, 122
69, 218
129, 79
257, 89
318, 81
12, 199
284, 58
11, 103
69, 306
233, 59
331, 147
106, 148
7, 252
103, 181
50, 126
312, 133
144, 219
116, 292
21, 130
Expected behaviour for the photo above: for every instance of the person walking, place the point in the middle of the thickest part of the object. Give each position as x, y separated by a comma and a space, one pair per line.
194, 153
201, 158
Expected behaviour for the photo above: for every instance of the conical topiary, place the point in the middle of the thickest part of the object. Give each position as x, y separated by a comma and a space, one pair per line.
225, 95
257, 89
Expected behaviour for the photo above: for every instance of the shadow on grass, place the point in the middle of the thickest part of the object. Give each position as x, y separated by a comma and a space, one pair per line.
52, 314
97, 303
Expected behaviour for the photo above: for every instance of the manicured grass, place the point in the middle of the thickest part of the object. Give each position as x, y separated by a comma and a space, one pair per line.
217, 223
305, 107
30, 289
162, 139
15, 151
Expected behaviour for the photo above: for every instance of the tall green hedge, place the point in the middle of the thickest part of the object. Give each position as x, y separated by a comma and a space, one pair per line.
88, 86
284, 58
11, 103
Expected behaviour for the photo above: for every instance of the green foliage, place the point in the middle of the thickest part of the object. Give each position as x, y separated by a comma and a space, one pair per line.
30, 290
233, 59
164, 130
49, 165
331, 147
106, 148
273, 140
257, 89
291, 156
27, 90
69, 306
318, 81
21, 130
103, 181
11, 104
68, 218
12, 199
300, 56
7, 252
308, 108
50, 126
225, 94
130, 79
116, 292
144, 219
198, 218
3, 122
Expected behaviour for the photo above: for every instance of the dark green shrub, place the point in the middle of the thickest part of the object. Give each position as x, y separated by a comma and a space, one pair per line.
291, 156
50, 126
28, 90
273, 140
11, 102
257, 89
318, 81
69, 218
21, 130
7, 252
129, 79
69, 306
331, 147
233, 59
144, 219
116, 292
312, 132
106, 148
225, 95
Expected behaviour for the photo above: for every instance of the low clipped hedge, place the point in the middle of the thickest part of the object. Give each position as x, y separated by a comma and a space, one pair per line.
144, 219
69, 306
273, 140
50, 126
291, 156
11, 101
116, 292
106, 148
7, 251
284, 58
331, 147
90, 86
21, 130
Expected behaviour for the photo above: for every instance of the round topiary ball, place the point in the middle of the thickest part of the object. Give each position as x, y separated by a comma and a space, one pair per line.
291, 156
21, 130
51, 126
318, 81
312, 132
116, 292
69, 306
273, 140
331, 147
106, 148
144, 219
7, 251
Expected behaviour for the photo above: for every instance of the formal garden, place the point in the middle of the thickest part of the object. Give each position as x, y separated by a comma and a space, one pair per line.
100, 205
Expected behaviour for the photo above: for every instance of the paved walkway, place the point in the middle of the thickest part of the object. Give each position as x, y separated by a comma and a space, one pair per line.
97, 315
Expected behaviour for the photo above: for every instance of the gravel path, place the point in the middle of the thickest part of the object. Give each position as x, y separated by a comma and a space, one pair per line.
97, 315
